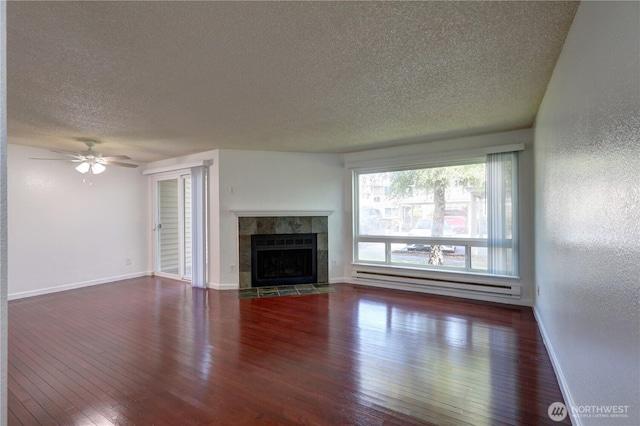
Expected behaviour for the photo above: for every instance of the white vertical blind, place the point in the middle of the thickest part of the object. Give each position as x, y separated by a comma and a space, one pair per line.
168, 236
502, 208
187, 227
198, 226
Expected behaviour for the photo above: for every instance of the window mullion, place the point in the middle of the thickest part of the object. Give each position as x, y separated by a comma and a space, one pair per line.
467, 257
387, 250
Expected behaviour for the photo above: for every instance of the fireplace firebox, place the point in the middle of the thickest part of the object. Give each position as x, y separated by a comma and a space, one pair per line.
283, 259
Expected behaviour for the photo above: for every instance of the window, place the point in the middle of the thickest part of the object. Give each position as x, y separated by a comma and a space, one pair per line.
458, 217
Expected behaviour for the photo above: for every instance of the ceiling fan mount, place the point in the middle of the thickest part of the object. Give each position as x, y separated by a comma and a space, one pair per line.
90, 144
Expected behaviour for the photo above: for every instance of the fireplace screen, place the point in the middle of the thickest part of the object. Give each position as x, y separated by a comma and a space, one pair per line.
283, 259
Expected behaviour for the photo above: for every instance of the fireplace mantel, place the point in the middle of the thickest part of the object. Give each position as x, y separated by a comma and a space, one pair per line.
279, 213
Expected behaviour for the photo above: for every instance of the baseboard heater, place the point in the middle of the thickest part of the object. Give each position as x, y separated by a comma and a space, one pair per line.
504, 290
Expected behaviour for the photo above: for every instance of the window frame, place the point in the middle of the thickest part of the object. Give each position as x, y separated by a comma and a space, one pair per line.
388, 240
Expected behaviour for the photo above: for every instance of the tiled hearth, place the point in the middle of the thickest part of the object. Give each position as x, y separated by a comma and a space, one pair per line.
286, 290
248, 226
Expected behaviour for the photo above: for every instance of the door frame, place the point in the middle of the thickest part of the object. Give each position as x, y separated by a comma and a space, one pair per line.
180, 175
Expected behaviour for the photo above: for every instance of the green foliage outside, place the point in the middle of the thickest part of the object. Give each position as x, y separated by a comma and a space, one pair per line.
437, 180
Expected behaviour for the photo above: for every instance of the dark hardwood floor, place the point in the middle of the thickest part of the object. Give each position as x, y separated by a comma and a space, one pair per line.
153, 351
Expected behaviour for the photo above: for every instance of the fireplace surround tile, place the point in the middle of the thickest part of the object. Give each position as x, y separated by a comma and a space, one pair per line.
266, 225
246, 239
323, 262
247, 226
245, 280
319, 225
245, 261
323, 241
293, 225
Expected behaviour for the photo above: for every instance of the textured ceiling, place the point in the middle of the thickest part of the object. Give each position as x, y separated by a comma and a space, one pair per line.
161, 79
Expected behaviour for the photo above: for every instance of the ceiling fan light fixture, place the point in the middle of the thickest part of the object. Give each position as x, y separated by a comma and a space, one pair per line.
83, 167
97, 168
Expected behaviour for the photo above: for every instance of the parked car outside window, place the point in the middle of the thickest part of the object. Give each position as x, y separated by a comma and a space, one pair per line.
423, 229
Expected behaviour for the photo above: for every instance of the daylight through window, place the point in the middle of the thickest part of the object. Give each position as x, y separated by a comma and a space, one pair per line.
460, 217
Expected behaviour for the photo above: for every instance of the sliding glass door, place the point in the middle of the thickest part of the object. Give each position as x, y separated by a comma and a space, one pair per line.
173, 227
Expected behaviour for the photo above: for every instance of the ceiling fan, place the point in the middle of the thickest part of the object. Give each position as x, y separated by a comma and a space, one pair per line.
90, 160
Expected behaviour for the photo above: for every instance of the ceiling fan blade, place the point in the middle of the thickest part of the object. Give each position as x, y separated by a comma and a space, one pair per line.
91, 157
119, 164
115, 157
69, 153
57, 159
60, 151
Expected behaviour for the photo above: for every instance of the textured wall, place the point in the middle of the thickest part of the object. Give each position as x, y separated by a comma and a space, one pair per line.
277, 181
3, 218
587, 159
65, 233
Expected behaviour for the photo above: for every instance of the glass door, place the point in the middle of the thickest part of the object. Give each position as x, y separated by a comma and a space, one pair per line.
173, 227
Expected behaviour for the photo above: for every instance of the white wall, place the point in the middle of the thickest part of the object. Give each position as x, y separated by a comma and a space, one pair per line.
587, 160
447, 148
64, 233
277, 181
3, 216
266, 181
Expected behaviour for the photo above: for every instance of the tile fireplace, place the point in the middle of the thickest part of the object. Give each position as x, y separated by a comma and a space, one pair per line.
277, 236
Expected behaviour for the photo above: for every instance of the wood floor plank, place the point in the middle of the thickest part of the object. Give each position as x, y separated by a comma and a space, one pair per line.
20, 415
156, 351
69, 397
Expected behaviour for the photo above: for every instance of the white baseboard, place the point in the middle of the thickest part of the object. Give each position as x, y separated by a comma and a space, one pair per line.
222, 286
72, 286
564, 387
337, 280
